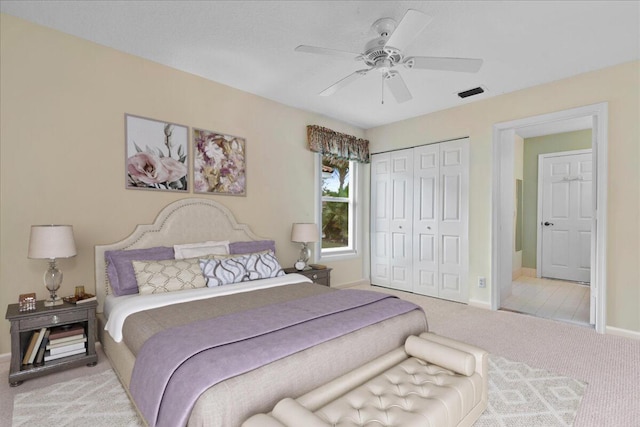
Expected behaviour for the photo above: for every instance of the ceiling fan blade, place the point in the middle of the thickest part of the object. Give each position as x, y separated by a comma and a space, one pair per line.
464, 65
412, 23
325, 51
344, 82
398, 87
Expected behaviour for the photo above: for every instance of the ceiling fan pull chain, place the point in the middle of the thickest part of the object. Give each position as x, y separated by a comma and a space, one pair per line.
383, 89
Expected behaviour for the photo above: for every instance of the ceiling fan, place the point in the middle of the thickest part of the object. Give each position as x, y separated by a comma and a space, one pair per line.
386, 52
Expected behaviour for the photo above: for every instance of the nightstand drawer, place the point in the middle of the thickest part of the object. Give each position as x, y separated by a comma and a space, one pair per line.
52, 319
321, 277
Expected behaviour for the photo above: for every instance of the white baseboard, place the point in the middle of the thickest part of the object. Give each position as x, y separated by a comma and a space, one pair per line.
480, 304
352, 284
622, 332
516, 273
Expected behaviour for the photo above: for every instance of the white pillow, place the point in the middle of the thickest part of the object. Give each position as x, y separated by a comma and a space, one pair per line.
195, 250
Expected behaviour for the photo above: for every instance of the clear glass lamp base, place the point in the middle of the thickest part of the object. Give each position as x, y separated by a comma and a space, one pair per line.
51, 302
52, 281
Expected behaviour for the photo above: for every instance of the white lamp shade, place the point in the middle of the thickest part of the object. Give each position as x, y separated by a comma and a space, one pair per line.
51, 241
304, 233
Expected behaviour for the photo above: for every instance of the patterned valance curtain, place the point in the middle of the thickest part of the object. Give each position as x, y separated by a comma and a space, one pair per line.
335, 144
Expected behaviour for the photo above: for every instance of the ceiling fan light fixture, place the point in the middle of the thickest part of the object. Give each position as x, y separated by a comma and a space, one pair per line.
384, 27
386, 51
409, 62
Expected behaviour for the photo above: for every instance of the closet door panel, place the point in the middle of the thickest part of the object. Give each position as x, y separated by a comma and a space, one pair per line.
453, 221
401, 223
380, 219
425, 221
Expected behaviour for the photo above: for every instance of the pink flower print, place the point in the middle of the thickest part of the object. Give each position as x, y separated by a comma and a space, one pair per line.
147, 168
175, 169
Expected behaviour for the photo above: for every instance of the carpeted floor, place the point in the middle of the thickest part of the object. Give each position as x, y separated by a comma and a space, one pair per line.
518, 396
609, 364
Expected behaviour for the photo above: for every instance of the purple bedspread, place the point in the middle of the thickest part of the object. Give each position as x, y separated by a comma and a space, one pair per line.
175, 366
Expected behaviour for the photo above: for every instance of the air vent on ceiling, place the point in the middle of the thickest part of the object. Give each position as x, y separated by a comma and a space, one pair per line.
471, 92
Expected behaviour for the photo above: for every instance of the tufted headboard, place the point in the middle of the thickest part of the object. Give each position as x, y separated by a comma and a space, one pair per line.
184, 221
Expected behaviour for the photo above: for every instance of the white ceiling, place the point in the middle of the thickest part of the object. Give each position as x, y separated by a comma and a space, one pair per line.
250, 45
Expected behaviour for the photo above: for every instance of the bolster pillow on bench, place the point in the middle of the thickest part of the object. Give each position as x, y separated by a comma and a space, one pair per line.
291, 413
446, 357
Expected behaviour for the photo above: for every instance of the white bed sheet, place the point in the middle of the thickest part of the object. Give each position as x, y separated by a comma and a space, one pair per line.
117, 309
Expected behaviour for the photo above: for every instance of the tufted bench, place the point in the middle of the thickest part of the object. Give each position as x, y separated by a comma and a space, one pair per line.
431, 381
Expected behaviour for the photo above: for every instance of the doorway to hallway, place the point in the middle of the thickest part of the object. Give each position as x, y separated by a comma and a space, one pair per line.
550, 299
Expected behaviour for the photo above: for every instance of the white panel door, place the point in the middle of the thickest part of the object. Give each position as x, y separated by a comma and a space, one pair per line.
401, 223
380, 219
453, 212
566, 212
426, 184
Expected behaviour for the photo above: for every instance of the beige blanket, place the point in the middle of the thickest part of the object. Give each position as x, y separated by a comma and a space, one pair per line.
142, 325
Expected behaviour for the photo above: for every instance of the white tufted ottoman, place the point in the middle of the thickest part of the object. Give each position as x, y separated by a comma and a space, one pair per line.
431, 381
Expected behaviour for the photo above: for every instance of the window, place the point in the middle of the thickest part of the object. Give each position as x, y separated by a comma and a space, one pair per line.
338, 207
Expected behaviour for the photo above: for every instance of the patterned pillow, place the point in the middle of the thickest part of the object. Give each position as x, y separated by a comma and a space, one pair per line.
169, 275
224, 270
263, 265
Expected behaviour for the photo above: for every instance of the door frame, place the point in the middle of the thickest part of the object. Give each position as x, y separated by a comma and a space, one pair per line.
503, 201
540, 197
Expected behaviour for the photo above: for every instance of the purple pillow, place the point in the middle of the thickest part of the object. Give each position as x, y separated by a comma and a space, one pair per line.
236, 248
122, 277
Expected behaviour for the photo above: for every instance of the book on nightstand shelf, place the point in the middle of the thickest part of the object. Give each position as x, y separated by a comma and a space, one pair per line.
65, 331
30, 348
36, 348
48, 356
40, 355
66, 348
67, 341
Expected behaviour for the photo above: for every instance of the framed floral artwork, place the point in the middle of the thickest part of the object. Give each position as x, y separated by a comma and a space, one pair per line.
219, 163
156, 154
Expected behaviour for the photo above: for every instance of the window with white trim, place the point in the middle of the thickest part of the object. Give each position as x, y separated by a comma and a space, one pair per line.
338, 206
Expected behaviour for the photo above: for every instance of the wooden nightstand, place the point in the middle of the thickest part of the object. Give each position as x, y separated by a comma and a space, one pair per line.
321, 277
24, 323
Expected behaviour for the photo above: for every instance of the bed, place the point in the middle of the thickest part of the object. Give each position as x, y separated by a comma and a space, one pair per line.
231, 401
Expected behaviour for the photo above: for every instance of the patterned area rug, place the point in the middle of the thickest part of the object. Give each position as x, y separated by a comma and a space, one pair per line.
95, 400
518, 396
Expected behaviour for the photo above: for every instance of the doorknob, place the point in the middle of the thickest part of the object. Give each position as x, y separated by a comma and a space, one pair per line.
547, 223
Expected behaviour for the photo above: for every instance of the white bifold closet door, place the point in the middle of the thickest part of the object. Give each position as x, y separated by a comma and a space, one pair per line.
419, 220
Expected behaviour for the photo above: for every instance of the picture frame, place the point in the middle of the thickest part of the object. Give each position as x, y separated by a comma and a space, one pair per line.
219, 163
156, 155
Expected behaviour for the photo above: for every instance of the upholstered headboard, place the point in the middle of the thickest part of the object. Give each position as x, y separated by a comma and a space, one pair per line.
184, 221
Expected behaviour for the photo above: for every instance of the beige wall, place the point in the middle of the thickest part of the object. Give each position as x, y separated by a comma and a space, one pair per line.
62, 150
620, 87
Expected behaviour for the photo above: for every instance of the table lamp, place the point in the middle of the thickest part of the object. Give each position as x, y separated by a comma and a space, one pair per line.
304, 233
52, 242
